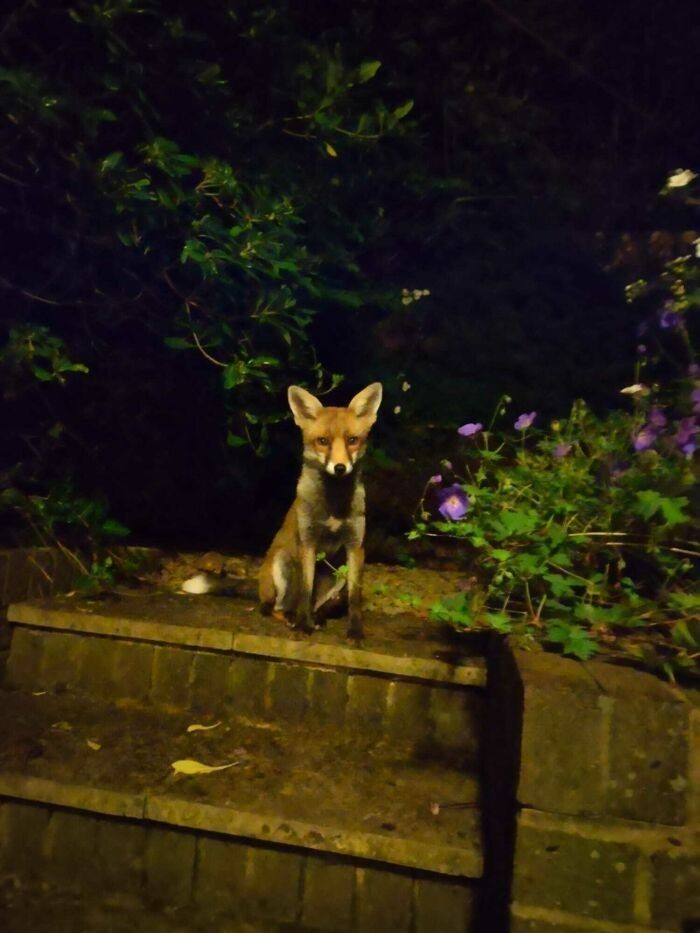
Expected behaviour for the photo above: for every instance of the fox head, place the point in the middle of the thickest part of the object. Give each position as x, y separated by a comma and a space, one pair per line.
335, 438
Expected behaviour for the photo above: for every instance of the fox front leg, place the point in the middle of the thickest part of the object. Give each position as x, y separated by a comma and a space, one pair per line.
356, 561
307, 559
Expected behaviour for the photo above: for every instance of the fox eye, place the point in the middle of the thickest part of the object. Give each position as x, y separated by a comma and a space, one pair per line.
323, 441
353, 439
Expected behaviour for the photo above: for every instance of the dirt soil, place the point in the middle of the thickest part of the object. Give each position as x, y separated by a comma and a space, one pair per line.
388, 588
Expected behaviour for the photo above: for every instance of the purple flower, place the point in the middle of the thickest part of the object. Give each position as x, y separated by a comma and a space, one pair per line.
524, 421
619, 469
454, 502
669, 318
641, 349
695, 399
435, 480
686, 429
645, 437
657, 418
470, 429
562, 450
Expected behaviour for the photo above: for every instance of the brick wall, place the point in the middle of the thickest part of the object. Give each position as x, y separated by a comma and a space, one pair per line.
608, 830
442, 721
217, 878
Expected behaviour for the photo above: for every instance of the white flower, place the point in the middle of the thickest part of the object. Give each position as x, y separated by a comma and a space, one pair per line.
397, 409
680, 178
636, 389
405, 386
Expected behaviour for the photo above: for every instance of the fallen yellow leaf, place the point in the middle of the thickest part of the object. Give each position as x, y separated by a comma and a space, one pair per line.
38, 693
198, 727
95, 746
190, 766
331, 151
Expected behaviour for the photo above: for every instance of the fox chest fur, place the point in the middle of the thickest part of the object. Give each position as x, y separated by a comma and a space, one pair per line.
330, 510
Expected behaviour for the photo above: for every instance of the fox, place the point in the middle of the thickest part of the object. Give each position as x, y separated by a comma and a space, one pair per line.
328, 512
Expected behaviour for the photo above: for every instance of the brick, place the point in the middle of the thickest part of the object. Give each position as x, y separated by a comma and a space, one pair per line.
170, 866
565, 732
328, 895
220, 876
565, 871
383, 901
442, 907
209, 675
23, 830
328, 696
62, 660
456, 716
171, 677
367, 702
4, 572
287, 692
24, 662
273, 884
17, 581
407, 711
648, 760
676, 889
133, 667
98, 674
529, 925
245, 686
121, 848
70, 846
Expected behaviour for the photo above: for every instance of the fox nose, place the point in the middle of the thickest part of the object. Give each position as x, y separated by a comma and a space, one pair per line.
339, 469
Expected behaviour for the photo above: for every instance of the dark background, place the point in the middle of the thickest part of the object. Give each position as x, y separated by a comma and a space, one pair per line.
522, 192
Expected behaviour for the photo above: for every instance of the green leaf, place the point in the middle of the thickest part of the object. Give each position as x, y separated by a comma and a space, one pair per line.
649, 502
368, 70
403, 110
177, 343
518, 523
672, 510
573, 639
500, 621
686, 633
112, 527
235, 440
110, 162
234, 374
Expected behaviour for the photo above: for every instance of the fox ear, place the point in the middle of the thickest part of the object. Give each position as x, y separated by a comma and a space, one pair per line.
304, 405
366, 403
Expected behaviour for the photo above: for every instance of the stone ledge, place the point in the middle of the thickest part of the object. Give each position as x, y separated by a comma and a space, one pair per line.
65, 858
526, 919
308, 651
227, 821
79, 797
647, 837
622, 737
